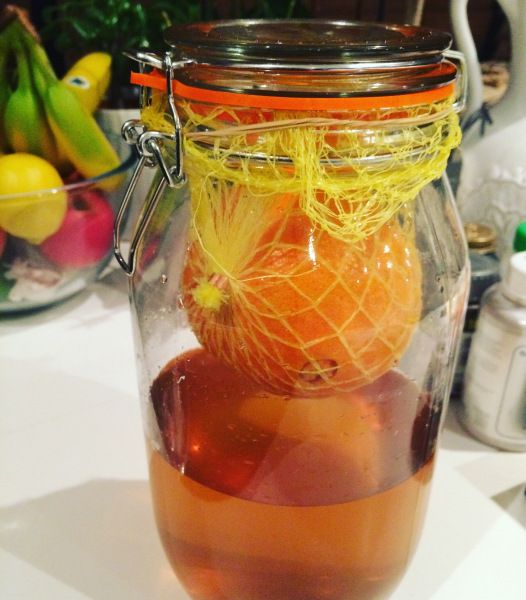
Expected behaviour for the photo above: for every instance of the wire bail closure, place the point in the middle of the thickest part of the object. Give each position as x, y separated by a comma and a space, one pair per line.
461, 96
152, 149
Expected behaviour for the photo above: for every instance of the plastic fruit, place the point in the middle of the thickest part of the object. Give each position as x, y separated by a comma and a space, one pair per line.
85, 236
24, 214
306, 313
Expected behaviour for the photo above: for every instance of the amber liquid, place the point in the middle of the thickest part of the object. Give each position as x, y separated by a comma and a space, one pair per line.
264, 497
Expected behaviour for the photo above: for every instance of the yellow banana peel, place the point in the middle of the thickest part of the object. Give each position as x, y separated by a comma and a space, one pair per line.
76, 132
89, 79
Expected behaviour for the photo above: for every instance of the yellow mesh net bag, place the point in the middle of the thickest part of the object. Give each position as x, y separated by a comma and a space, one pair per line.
302, 270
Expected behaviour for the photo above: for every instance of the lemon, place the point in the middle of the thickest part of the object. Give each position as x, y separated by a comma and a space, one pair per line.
30, 206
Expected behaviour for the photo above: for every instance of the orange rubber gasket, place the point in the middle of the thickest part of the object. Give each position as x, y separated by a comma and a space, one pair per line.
157, 81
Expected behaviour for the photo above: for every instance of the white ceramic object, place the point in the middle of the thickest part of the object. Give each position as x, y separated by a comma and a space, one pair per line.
492, 185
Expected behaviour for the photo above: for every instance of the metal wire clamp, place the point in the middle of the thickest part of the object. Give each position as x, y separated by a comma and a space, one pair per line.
154, 148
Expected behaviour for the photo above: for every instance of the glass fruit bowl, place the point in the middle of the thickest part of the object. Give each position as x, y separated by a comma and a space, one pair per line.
58, 240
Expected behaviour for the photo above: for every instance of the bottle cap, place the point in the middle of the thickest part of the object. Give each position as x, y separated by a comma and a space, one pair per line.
481, 238
519, 241
514, 284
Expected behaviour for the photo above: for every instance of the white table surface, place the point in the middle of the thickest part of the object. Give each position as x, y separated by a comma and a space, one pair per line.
76, 520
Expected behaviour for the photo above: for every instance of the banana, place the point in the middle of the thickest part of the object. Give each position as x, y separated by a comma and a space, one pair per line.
5, 92
76, 131
5, 86
89, 79
25, 122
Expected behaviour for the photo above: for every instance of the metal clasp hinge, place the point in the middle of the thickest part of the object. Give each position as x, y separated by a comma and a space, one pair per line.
150, 145
462, 89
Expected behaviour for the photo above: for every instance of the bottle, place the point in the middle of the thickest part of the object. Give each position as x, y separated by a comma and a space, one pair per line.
494, 400
485, 267
519, 240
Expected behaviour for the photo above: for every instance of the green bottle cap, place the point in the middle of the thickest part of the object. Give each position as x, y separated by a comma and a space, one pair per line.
519, 241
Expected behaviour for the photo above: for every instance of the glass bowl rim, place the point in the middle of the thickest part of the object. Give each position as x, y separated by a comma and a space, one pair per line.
76, 185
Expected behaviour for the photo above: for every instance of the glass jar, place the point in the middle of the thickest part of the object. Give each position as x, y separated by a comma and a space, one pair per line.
297, 304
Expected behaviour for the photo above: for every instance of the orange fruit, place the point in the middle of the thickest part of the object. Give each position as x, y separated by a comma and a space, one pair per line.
304, 312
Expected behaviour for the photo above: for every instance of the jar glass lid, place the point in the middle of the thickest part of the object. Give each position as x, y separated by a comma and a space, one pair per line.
312, 42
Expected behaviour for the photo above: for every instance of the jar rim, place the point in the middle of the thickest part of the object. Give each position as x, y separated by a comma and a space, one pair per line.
311, 58
318, 43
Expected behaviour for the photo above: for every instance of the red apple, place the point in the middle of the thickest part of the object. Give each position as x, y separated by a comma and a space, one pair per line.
85, 236
3, 240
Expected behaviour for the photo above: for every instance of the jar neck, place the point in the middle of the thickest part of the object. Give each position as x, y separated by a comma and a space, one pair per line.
331, 83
